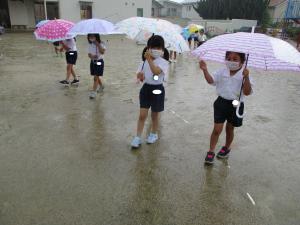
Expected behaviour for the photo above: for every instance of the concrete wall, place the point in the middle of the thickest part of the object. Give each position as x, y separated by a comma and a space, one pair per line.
221, 26
189, 12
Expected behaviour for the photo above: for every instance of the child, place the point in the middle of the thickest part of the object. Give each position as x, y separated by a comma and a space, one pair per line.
173, 56
57, 49
152, 72
193, 36
201, 37
71, 57
96, 53
228, 82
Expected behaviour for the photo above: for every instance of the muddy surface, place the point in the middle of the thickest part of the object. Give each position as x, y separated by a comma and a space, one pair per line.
65, 159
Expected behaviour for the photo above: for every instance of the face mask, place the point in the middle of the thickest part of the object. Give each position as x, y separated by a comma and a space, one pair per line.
233, 66
156, 53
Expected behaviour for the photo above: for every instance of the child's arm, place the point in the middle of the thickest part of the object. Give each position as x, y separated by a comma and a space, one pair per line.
247, 88
207, 76
64, 46
155, 69
101, 50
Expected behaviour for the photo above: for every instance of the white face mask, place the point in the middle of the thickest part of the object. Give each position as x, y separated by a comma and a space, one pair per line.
156, 53
233, 66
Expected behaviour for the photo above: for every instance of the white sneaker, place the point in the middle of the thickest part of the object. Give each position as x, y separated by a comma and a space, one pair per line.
136, 142
174, 61
92, 95
100, 88
152, 138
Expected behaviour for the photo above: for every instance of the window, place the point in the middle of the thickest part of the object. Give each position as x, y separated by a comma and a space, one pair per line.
152, 12
140, 12
85, 10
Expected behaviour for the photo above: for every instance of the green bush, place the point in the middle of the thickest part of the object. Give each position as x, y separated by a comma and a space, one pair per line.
293, 32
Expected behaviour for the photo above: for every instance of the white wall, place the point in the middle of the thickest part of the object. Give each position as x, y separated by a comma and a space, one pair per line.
112, 10
222, 26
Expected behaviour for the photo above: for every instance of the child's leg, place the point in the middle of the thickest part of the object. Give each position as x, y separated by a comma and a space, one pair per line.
56, 50
229, 135
73, 72
96, 83
69, 69
141, 121
175, 55
155, 121
218, 127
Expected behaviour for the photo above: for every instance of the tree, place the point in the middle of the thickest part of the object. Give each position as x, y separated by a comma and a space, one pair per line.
233, 9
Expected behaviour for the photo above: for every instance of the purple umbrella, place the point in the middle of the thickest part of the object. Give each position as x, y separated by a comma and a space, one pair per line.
264, 52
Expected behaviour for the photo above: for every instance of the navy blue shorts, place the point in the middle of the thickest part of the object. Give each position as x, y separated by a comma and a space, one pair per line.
224, 111
97, 67
149, 99
71, 57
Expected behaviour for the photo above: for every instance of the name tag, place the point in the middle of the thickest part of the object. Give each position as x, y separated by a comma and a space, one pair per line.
71, 53
99, 63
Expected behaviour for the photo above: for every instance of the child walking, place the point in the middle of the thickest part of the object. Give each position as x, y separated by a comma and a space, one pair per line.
71, 57
228, 82
96, 54
152, 94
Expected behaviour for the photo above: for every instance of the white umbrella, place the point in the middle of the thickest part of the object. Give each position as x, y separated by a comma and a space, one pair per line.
93, 26
173, 40
141, 29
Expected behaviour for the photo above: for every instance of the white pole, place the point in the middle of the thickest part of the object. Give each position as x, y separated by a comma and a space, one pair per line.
45, 7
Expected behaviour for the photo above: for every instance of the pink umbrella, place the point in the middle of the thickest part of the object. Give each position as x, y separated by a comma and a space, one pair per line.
54, 30
264, 52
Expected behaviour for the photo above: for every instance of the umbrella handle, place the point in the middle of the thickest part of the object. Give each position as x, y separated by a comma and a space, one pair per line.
237, 113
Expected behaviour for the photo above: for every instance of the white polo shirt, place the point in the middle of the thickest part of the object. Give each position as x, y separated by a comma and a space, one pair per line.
71, 44
229, 87
92, 49
159, 62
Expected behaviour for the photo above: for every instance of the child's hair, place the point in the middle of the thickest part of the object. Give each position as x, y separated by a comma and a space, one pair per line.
156, 41
242, 56
159, 43
97, 36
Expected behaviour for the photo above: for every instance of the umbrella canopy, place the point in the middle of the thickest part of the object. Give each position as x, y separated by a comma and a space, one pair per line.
194, 27
54, 30
265, 52
141, 29
173, 40
134, 25
92, 26
41, 23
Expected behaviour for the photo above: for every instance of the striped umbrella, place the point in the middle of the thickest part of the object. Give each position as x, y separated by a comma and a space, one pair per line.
264, 52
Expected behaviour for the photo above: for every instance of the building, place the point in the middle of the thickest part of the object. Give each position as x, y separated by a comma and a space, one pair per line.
188, 10
26, 13
156, 9
277, 9
170, 9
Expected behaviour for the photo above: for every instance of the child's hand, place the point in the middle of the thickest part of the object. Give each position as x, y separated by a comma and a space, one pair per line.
147, 55
140, 76
246, 73
202, 65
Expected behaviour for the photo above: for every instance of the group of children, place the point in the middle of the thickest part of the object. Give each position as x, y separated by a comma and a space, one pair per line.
96, 52
228, 81
198, 37
231, 82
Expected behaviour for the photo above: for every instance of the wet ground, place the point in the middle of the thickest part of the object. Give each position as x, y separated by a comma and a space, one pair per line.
65, 159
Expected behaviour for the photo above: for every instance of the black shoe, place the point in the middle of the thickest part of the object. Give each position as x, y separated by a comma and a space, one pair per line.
75, 82
65, 82
209, 159
223, 153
